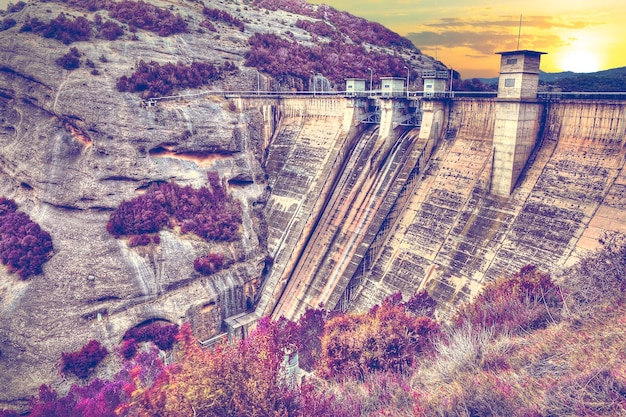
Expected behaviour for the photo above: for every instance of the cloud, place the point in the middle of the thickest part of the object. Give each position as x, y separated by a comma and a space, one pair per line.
486, 35
536, 22
485, 42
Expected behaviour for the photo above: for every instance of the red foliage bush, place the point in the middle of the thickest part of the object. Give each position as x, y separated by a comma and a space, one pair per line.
82, 362
70, 61
162, 335
24, 247
153, 79
384, 339
208, 212
209, 264
528, 300
146, 16
221, 15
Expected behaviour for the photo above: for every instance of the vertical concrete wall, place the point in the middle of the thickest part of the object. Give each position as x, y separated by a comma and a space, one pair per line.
306, 151
472, 119
515, 134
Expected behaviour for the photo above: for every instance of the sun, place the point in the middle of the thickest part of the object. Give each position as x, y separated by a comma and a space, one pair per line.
579, 61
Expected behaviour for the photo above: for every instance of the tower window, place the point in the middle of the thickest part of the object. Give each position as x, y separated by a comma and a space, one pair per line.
511, 61
509, 82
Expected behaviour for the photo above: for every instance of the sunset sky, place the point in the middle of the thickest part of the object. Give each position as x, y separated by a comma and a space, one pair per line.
578, 35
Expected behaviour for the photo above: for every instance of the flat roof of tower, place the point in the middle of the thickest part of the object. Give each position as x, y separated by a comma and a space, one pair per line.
521, 51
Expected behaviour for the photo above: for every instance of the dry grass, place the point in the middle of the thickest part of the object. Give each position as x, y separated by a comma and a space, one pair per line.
575, 367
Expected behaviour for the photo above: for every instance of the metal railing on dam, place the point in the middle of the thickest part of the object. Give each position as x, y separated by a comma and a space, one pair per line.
597, 95
373, 94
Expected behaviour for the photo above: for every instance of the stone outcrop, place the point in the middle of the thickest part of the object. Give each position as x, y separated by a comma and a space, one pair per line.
72, 148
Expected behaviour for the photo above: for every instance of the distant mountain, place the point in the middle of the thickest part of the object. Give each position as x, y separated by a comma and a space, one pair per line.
606, 80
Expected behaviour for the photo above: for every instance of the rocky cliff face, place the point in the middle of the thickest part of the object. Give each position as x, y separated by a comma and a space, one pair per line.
72, 148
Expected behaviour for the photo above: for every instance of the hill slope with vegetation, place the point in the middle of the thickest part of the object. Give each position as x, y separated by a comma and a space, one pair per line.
526, 346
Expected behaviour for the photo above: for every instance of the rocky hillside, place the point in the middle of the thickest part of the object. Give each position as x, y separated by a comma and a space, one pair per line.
77, 140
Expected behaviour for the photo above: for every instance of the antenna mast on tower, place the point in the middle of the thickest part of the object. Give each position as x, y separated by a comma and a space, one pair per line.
519, 32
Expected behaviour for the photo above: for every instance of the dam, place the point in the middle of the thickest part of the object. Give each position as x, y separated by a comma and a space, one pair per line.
484, 186
376, 192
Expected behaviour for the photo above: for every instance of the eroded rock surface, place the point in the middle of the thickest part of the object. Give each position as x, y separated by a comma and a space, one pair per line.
72, 148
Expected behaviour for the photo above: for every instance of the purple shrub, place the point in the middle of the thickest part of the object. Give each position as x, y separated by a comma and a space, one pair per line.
83, 361
319, 28
153, 79
208, 212
99, 398
32, 25
49, 405
144, 214
527, 301
7, 23
128, 348
162, 335
24, 247
293, 6
421, 304
221, 15
139, 240
355, 29
384, 339
209, 264
91, 5
336, 59
207, 24
146, 16
111, 30
61, 28
13, 8
70, 61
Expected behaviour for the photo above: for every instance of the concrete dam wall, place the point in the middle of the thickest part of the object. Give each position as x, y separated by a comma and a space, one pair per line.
351, 221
